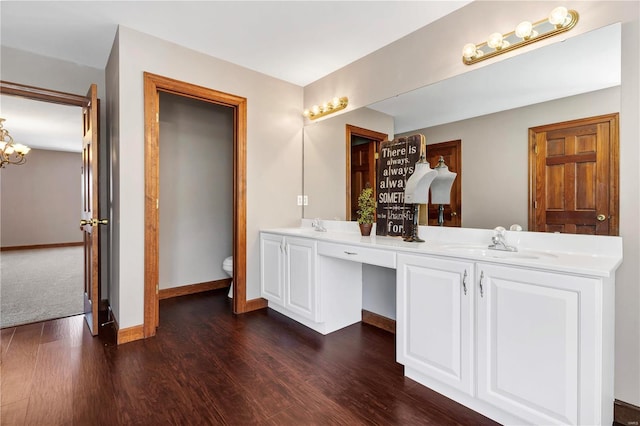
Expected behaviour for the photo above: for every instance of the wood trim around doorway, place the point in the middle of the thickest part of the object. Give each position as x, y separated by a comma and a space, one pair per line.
365, 133
153, 84
40, 94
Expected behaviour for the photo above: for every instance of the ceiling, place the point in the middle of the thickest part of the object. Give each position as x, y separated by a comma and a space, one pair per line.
296, 41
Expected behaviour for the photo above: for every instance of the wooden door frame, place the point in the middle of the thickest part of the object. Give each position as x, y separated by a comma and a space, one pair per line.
614, 165
153, 84
365, 133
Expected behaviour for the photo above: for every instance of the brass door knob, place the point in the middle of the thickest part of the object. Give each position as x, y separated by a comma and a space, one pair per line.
85, 222
454, 214
601, 217
95, 222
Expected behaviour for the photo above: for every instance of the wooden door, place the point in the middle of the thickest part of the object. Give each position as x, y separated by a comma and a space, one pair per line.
573, 177
452, 153
89, 222
363, 171
362, 151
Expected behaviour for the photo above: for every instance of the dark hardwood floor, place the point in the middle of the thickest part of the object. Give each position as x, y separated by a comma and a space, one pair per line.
207, 366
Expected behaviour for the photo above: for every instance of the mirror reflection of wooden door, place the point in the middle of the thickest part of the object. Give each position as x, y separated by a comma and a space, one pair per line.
363, 169
89, 223
452, 154
573, 176
362, 154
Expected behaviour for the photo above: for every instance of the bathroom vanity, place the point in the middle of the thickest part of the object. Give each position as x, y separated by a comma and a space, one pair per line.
521, 337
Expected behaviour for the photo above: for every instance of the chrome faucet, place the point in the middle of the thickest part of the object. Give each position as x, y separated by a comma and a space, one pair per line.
317, 225
498, 241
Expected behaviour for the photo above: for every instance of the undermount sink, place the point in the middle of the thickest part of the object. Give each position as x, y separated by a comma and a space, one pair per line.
484, 251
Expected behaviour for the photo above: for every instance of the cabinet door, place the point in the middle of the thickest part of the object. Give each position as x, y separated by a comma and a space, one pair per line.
300, 277
435, 319
272, 268
536, 344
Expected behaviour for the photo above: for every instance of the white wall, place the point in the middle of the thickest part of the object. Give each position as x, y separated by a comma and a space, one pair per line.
196, 190
325, 153
274, 152
434, 61
41, 200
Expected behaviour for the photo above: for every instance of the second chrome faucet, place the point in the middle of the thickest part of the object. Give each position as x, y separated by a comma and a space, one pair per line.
498, 241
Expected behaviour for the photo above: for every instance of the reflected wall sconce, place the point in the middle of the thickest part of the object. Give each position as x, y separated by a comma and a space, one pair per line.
10, 152
559, 20
326, 108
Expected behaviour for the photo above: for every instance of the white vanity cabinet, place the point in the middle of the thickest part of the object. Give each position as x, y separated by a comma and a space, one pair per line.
539, 345
522, 337
435, 323
519, 345
288, 274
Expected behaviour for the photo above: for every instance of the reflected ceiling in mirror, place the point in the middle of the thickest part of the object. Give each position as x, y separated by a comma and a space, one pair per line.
584, 63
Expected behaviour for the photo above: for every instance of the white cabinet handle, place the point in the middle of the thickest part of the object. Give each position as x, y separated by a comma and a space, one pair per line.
481, 289
350, 253
464, 282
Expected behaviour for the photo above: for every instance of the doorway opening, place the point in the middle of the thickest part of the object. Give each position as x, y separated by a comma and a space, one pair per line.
362, 147
153, 85
196, 195
55, 214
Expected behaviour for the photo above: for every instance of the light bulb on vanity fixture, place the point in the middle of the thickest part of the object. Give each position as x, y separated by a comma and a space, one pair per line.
336, 104
559, 20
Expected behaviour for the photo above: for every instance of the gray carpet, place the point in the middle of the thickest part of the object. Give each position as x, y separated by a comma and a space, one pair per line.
40, 284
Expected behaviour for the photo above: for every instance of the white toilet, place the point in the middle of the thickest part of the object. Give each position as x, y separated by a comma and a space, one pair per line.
227, 266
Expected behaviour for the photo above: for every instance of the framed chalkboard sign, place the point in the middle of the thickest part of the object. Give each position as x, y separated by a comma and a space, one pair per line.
397, 163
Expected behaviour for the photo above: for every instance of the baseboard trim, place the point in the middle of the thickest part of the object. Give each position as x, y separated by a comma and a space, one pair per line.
41, 246
379, 321
626, 414
255, 304
167, 293
130, 334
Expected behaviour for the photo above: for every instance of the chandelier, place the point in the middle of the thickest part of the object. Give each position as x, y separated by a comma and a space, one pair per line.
10, 152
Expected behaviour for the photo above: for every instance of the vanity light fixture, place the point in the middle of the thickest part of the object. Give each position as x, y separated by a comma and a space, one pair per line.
318, 111
559, 20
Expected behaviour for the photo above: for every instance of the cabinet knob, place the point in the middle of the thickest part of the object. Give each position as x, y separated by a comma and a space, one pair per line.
601, 217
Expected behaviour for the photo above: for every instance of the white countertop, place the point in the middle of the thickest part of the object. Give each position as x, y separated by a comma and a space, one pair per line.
576, 254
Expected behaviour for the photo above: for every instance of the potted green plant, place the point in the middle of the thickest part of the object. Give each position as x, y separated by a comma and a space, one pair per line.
366, 210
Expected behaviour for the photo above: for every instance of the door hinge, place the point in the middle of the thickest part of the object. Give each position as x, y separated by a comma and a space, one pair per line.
535, 149
535, 204
376, 156
157, 117
157, 203
157, 288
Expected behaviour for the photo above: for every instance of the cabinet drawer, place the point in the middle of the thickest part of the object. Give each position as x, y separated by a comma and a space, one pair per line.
371, 256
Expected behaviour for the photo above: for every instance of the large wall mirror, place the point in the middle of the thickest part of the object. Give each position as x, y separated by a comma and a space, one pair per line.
489, 109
